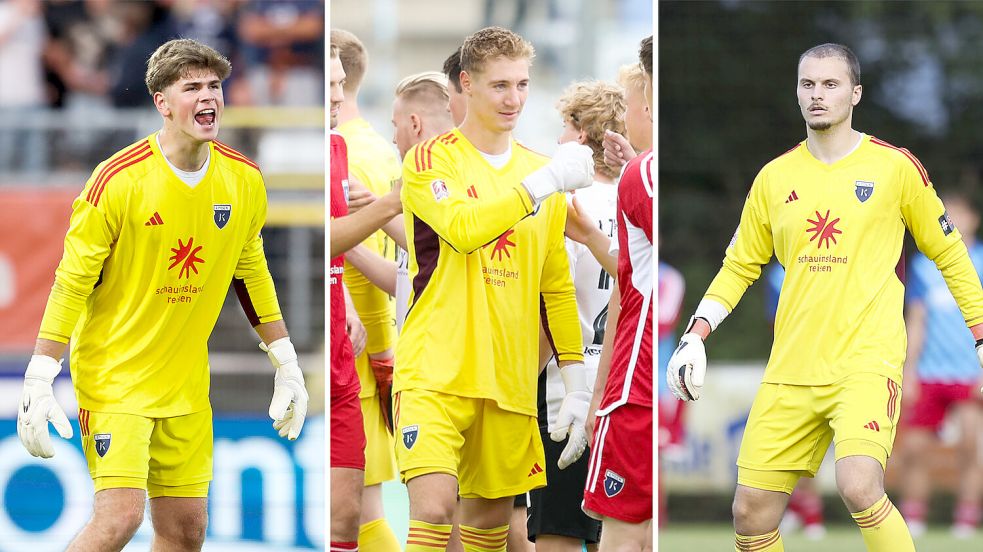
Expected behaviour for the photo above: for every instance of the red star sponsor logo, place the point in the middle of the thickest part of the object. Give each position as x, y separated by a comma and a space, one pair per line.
186, 256
823, 229
502, 245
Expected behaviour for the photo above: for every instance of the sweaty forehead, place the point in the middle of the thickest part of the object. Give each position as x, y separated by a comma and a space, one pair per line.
826, 67
197, 74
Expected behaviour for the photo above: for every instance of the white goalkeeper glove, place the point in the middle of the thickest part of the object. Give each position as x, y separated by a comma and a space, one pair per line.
289, 405
571, 168
38, 407
572, 416
687, 368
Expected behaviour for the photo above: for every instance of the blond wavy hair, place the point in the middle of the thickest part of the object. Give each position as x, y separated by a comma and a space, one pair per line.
593, 107
176, 59
490, 43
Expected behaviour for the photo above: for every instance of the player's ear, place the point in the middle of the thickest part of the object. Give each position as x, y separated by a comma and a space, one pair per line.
858, 91
465, 83
160, 102
582, 138
416, 124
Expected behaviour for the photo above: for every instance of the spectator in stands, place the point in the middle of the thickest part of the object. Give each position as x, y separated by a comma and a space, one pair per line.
283, 51
21, 44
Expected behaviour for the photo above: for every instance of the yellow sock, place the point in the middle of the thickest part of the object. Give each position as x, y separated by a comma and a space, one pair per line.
377, 535
427, 537
484, 540
883, 528
769, 542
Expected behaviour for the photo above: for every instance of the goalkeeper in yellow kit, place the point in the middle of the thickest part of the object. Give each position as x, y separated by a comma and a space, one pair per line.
157, 235
833, 209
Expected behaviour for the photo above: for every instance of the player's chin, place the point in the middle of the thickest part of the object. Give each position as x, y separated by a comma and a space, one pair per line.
205, 133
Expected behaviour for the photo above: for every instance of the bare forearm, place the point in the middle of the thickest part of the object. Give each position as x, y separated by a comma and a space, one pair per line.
381, 272
599, 246
271, 331
48, 347
607, 346
351, 230
395, 230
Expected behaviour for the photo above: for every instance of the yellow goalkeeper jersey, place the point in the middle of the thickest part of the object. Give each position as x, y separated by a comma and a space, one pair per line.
838, 230
485, 265
147, 265
373, 162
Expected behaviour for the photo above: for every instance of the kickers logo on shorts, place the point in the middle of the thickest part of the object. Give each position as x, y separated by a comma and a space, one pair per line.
409, 435
613, 483
102, 443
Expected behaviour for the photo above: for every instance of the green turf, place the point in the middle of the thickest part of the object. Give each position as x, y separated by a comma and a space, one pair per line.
839, 538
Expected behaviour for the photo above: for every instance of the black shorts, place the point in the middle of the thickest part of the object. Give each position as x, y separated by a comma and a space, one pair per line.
555, 509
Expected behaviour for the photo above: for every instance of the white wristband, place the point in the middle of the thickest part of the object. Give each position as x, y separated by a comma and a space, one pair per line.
711, 311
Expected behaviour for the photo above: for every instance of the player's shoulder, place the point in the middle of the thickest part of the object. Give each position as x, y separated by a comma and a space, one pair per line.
235, 160
125, 165
786, 160
443, 148
637, 175
897, 155
523, 149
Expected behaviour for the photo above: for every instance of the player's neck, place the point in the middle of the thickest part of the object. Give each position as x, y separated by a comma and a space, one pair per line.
349, 109
185, 154
492, 142
829, 146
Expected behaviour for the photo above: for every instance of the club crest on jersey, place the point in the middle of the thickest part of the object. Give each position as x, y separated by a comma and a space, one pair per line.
222, 214
945, 221
102, 441
439, 189
863, 189
410, 434
613, 483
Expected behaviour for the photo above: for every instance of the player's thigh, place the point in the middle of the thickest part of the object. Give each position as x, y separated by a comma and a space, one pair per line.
347, 431
346, 493
116, 448
619, 473
502, 454
181, 456
864, 412
554, 510
968, 415
430, 431
786, 430
380, 461
622, 535
172, 515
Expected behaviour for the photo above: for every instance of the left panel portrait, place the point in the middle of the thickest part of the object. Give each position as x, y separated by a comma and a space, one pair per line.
161, 275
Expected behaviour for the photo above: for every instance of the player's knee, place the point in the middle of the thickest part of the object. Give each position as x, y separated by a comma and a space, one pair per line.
436, 511
754, 517
119, 526
859, 494
344, 522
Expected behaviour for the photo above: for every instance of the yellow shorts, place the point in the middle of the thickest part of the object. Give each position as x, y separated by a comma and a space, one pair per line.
164, 456
380, 464
790, 428
493, 453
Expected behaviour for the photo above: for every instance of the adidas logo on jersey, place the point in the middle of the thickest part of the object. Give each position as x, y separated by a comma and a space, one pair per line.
472, 192
872, 425
535, 469
792, 197
154, 220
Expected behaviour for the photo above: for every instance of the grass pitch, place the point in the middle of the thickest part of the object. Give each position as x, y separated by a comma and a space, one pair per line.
839, 538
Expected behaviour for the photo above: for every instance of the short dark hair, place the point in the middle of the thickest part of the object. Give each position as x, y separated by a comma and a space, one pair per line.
836, 50
645, 55
452, 68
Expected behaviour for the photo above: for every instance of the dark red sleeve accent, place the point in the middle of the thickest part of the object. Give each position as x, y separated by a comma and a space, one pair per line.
247, 304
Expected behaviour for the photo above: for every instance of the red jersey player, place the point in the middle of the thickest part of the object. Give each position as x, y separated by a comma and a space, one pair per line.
619, 477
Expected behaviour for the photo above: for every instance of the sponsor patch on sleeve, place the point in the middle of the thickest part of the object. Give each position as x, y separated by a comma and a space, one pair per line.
439, 190
946, 223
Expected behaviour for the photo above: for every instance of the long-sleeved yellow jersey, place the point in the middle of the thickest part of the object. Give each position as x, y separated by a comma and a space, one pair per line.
485, 265
147, 265
838, 230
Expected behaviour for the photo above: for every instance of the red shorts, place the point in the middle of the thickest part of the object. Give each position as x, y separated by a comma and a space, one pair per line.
935, 399
347, 431
619, 476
